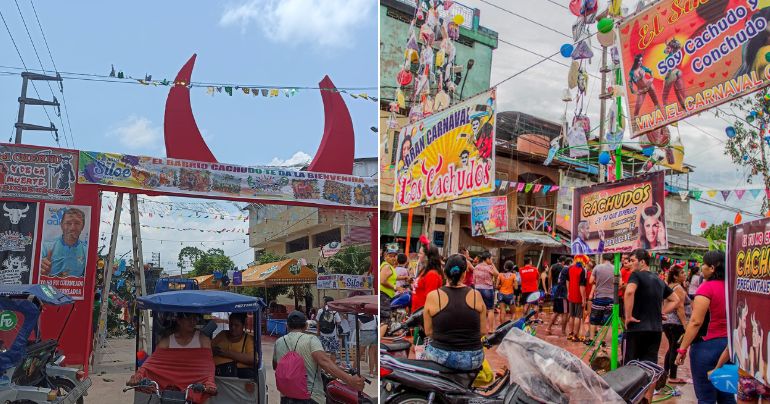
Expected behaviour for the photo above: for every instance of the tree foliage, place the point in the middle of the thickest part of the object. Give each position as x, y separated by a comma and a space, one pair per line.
214, 259
750, 146
717, 232
351, 260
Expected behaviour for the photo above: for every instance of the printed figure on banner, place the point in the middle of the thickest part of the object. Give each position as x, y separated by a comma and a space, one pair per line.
489, 215
64, 251
18, 226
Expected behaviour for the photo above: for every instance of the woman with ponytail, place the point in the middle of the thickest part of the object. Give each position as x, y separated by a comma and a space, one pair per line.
454, 319
429, 278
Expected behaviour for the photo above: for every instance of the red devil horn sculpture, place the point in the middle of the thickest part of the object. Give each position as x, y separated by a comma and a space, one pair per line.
184, 140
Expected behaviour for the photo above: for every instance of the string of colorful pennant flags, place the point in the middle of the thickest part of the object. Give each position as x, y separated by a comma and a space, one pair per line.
697, 194
255, 91
525, 186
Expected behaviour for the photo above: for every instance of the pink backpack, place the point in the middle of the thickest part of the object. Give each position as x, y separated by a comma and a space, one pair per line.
291, 375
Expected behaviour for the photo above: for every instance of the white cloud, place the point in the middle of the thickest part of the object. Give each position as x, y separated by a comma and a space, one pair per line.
327, 23
299, 158
137, 133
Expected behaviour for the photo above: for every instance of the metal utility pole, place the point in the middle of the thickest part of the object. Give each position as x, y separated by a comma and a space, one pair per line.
141, 290
101, 335
24, 101
604, 96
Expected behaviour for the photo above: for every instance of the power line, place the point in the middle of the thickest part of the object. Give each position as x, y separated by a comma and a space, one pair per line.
34, 48
56, 139
64, 100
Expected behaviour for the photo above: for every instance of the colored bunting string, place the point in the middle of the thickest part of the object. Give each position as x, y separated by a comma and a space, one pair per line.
525, 187
105, 236
191, 229
725, 194
255, 91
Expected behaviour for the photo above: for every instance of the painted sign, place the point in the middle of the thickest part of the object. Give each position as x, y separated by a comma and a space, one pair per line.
448, 155
344, 282
64, 250
489, 215
329, 250
226, 180
748, 291
18, 227
37, 173
620, 216
8, 320
680, 58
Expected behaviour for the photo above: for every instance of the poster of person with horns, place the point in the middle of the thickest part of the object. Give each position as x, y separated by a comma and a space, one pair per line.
620, 216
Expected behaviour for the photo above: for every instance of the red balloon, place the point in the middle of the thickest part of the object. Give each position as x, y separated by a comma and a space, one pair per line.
141, 355
404, 77
703, 224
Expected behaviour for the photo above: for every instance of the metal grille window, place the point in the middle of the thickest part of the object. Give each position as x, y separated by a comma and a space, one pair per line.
300, 244
322, 239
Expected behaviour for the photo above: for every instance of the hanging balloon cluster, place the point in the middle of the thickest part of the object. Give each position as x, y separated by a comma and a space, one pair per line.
758, 121
428, 61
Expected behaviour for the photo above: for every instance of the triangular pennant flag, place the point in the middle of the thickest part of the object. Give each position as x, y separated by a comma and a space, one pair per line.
739, 193
513, 184
711, 193
520, 186
554, 188
538, 187
725, 194
683, 194
274, 92
264, 92
353, 95
255, 92
364, 96
245, 90
697, 194
503, 185
229, 91
755, 193
528, 187
210, 90
546, 188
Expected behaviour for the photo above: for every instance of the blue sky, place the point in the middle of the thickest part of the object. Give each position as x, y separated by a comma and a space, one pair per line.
288, 43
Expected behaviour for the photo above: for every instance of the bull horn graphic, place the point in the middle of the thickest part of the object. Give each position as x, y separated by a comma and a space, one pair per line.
5, 208
655, 216
26, 208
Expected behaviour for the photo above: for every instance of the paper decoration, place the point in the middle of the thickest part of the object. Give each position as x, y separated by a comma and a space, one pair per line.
739, 193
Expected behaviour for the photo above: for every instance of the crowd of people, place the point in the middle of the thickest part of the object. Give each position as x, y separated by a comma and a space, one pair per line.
460, 295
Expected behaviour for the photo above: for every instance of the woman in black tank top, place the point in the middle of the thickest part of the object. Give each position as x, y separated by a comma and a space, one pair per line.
454, 318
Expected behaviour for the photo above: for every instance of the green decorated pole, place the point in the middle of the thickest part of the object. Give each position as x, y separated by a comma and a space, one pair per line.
618, 175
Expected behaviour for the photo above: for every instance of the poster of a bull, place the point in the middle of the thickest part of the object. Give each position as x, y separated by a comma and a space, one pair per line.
18, 224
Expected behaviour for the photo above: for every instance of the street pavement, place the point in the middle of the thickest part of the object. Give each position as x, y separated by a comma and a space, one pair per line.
109, 379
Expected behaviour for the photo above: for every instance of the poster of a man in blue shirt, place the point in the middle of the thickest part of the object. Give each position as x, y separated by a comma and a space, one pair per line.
64, 253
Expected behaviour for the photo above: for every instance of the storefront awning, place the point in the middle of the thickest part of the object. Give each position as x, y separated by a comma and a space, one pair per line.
542, 239
678, 238
206, 282
286, 272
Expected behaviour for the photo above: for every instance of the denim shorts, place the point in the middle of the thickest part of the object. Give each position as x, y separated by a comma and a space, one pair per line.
460, 360
505, 299
488, 295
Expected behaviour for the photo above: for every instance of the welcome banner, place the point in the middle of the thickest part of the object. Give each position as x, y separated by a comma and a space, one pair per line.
683, 57
227, 180
620, 216
489, 215
447, 156
748, 291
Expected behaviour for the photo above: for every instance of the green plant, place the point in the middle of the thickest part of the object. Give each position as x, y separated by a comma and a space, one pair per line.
351, 260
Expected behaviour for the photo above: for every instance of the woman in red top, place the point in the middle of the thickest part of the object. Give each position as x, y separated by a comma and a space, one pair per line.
429, 279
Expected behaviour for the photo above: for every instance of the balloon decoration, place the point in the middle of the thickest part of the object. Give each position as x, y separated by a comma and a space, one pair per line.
404, 77
566, 50
725, 379
458, 19
648, 151
605, 25
604, 158
703, 224
730, 132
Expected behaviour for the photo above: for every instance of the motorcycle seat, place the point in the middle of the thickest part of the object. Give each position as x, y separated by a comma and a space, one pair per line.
396, 346
464, 378
627, 381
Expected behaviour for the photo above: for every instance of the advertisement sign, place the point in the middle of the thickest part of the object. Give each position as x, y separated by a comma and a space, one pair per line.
18, 228
448, 155
344, 282
64, 250
748, 291
620, 216
489, 215
680, 58
329, 250
37, 173
226, 180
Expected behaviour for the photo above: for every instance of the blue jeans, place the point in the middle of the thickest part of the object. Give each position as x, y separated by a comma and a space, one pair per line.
460, 360
703, 358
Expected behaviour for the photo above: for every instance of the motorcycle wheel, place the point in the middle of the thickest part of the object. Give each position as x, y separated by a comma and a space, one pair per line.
65, 386
410, 398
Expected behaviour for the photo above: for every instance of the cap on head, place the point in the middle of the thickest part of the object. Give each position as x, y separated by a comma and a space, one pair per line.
391, 248
296, 320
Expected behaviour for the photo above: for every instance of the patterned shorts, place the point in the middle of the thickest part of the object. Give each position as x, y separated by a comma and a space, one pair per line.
330, 344
749, 389
461, 360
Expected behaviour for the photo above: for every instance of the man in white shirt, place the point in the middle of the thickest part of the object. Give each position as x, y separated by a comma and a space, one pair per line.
328, 321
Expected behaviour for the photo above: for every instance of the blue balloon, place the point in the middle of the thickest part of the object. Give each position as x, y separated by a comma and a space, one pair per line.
604, 158
725, 379
753, 113
730, 131
648, 151
566, 50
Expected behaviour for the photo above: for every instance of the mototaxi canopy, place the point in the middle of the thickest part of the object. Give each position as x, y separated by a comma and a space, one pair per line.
201, 302
286, 272
45, 293
367, 304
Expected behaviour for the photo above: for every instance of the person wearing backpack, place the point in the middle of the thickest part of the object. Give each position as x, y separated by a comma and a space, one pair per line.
298, 359
328, 323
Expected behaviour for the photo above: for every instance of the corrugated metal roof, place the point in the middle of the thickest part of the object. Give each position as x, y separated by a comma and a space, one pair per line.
526, 237
679, 238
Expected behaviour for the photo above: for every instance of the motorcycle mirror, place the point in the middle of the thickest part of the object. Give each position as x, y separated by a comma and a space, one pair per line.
415, 320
